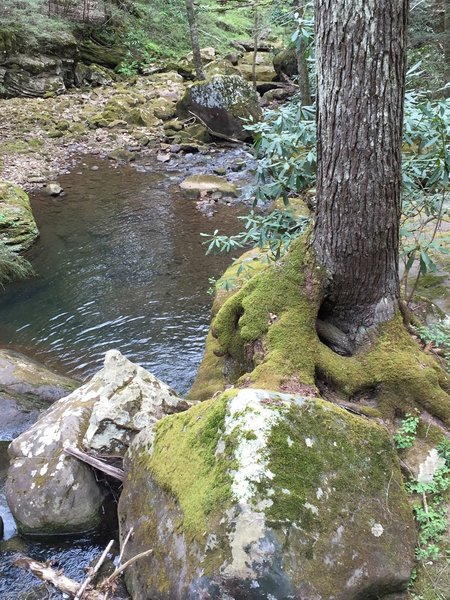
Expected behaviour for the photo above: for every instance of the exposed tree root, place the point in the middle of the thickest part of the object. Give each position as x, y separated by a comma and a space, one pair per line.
265, 335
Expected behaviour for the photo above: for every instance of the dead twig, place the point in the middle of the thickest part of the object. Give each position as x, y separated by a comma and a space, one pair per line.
93, 572
107, 582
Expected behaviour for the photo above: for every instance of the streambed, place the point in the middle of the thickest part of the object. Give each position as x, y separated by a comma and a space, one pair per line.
119, 264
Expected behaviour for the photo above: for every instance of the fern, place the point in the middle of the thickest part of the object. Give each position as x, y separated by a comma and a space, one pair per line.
12, 265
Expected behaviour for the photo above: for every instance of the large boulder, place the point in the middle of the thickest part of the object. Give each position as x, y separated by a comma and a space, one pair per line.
18, 228
26, 388
260, 495
131, 399
264, 70
223, 103
50, 492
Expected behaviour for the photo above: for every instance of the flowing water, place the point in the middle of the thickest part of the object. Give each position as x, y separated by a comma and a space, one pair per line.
119, 264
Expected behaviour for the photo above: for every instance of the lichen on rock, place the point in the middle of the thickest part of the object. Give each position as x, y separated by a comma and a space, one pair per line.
49, 491
265, 495
223, 103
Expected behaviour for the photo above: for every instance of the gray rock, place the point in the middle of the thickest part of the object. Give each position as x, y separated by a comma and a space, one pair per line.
50, 492
198, 184
54, 188
222, 103
261, 495
130, 400
26, 388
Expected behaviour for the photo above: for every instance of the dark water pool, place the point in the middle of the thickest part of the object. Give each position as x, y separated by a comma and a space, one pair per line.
119, 264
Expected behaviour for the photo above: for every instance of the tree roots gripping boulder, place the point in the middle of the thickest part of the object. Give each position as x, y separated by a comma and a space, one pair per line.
265, 334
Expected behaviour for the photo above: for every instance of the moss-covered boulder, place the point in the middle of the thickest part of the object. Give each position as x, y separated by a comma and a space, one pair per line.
285, 63
223, 103
261, 495
93, 75
18, 228
162, 108
93, 51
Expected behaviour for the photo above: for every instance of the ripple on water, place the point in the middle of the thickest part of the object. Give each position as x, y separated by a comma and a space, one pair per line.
120, 264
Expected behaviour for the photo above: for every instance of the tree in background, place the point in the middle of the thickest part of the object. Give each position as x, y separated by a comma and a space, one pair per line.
193, 30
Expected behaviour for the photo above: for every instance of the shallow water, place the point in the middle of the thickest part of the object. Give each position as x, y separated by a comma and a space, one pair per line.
119, 264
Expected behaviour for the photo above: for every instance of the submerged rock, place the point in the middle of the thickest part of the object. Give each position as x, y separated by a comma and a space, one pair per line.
223, 103
260, 495
18, 228
197, 184
49, 491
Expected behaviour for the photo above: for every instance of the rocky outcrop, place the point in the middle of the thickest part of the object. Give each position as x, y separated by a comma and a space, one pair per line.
18, 228
49, 64
51, 492
261, 495
47, 67
26, 388
222, 103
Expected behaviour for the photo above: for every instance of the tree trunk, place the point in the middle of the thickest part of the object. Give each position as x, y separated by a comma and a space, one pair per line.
361, 58
302, 65
255, 42
190, 9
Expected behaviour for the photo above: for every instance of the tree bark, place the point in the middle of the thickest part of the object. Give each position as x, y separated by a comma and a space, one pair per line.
302, 65
193, 30
361, 61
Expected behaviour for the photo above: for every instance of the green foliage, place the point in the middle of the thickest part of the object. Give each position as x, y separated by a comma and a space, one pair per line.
285, 146
12, 265
438, 334
426, 169
274, 232
406, 435
431, 511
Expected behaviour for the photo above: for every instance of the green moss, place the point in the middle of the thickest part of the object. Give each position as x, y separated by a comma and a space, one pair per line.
270, 307
184, 463
344, 441
267, 328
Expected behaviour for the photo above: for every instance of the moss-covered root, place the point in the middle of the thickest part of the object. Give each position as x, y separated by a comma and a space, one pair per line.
266, 331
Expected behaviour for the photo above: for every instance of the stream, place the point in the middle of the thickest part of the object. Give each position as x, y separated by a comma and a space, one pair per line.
119, 264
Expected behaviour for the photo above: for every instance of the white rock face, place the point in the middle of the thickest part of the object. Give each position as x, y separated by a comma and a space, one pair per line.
130, 399
51, 492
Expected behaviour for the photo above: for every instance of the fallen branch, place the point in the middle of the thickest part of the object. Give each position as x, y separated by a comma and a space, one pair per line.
96, 463
107, 582
93, 572
56, 579
215, 133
